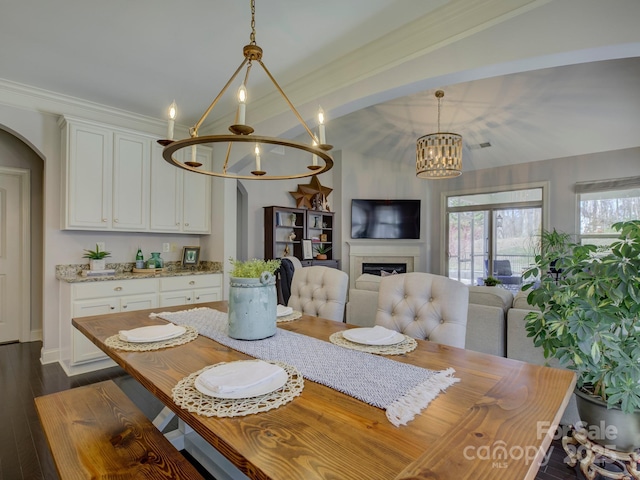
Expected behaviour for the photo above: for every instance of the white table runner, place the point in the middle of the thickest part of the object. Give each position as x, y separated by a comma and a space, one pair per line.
401, 389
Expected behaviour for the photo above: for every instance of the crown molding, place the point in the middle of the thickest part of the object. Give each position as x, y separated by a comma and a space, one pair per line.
36, 99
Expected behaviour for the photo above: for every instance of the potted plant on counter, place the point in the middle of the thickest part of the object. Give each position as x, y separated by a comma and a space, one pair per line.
252, 299
589, 320
96, 258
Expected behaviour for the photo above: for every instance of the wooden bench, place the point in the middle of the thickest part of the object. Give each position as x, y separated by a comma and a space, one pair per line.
96, 431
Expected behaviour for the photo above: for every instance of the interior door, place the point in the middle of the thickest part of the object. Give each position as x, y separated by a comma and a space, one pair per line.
11, 245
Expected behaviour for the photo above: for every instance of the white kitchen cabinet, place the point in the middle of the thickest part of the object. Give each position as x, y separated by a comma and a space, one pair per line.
196, 196
180, 200
83, 299
105, 178
191, 289
97, 298
86, 176
130, 189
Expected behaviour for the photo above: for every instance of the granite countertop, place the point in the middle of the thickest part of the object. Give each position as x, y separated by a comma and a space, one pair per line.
124, 271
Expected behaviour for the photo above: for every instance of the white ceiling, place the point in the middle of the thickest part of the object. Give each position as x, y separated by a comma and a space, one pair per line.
139, 55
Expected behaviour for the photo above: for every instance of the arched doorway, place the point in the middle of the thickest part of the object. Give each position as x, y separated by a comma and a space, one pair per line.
23, 167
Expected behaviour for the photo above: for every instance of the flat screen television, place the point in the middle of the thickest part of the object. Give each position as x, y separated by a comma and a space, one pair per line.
385, 219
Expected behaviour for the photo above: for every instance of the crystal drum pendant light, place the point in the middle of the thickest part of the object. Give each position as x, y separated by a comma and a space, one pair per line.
439, 155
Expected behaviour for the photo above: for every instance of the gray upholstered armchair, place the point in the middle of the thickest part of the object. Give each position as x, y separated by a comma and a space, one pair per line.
424, 306
319, 291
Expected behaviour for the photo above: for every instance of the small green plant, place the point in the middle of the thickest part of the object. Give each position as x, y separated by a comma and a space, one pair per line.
322, 249
253, 268
491, 281
96, 254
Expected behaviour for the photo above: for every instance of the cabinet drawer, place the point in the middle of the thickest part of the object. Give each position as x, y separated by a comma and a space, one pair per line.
190, 282
115, 288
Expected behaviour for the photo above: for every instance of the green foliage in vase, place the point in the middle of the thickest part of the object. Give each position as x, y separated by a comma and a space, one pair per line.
253, 268
96, 254
590, 315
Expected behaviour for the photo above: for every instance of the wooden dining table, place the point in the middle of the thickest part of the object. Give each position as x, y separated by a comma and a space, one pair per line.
497, 422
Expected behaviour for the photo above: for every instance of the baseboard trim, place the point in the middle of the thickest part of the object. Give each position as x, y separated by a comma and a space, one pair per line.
49, 356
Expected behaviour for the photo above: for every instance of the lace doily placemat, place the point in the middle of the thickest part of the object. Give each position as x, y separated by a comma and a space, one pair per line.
188, 397
287, 318
405, 346
114, 341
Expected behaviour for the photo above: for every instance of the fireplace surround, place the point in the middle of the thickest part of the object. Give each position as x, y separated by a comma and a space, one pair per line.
376, 252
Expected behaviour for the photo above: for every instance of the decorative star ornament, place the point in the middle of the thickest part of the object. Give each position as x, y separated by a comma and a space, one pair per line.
302, 197
305, 193
315, 186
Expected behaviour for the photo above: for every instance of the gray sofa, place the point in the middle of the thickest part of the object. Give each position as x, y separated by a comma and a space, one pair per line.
495, 324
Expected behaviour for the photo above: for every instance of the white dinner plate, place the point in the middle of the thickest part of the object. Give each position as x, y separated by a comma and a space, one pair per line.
348, 334
178, 332
282, 311
274, 383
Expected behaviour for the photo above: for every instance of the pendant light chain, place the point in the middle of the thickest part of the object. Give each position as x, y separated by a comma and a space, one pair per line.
252, 37
439, 103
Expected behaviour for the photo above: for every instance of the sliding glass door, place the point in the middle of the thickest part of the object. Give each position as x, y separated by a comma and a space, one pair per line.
494, 235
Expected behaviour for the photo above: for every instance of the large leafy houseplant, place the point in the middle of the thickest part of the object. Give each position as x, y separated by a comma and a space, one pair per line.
590, 314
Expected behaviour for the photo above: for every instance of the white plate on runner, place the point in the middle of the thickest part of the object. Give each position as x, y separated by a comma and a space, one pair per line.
263, 388
359, 335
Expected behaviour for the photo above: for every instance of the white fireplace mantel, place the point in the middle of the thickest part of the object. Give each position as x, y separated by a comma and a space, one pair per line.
363, 252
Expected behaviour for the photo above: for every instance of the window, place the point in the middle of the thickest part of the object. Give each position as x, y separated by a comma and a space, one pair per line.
493, 234
601, 204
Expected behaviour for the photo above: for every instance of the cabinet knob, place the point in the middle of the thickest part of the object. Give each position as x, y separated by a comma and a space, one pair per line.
186, 224
189, 298
115, 220
117, 289
192, 282
104, 220
124, 306
112, 308
178, 224
197, 298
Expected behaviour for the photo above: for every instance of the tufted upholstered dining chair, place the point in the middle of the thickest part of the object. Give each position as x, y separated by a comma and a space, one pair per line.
319, 291
424, 306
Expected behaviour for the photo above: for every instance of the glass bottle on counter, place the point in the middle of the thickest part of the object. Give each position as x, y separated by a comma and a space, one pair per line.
139, 259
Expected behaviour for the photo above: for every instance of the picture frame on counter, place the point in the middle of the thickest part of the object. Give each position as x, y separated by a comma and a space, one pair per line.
307, 249
190, 256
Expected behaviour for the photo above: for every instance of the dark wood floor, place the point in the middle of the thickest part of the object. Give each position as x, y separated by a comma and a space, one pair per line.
24, 453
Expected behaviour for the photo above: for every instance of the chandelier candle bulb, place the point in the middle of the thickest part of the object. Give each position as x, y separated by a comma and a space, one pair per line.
257, 150
193, 154
172, 116
242, 104
321, 125
315, 157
